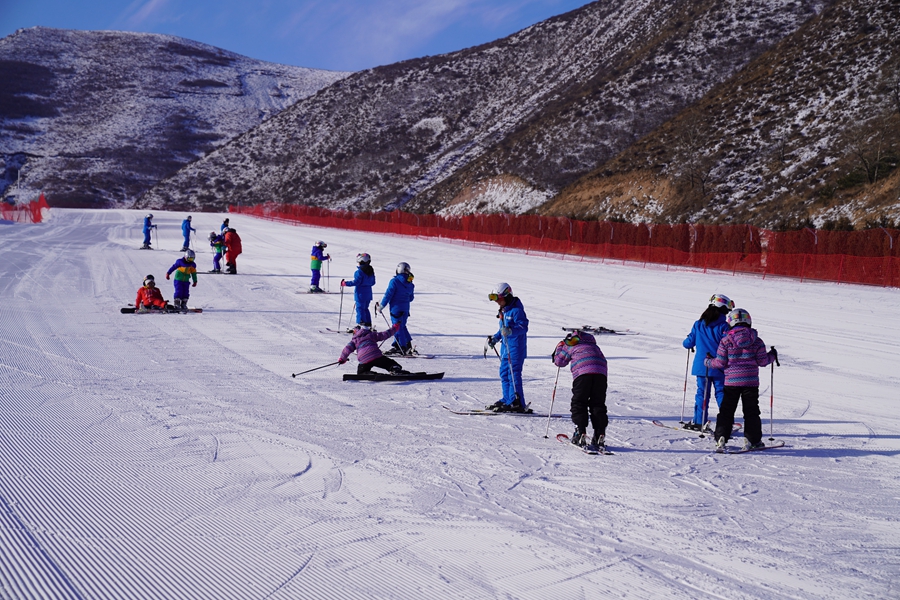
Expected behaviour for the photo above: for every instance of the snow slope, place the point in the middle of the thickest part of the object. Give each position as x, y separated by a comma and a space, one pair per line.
174, 456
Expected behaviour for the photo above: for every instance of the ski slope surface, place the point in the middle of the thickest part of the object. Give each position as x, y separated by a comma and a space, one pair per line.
174, 456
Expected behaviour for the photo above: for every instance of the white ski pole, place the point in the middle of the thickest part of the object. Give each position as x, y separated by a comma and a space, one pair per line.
552, 400
684, 399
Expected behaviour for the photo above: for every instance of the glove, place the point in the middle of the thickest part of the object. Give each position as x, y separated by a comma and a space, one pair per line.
343, 283
708, 356
505, 331
167, 275
194, 284
377, 309
327, 257
491, 342
774, 353
342, 361
396, 326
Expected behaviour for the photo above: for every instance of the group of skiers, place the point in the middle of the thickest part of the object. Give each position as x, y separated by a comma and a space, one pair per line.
226, 242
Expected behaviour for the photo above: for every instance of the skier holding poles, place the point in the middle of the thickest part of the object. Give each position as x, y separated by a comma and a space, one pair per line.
365, 343
400, 292
589, 373
513, 333
316, 256
705, 336
148, 226
362, 281
740, 354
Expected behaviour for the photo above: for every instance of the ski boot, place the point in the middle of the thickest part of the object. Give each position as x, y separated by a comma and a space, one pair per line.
578, 438
720, 445
598, 443
691, 426
748, 445
146, 247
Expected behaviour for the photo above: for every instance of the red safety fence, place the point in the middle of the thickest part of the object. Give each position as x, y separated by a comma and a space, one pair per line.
871, 256
33, 212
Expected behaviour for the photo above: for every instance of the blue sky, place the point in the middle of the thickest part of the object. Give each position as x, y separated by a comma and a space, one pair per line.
344, 35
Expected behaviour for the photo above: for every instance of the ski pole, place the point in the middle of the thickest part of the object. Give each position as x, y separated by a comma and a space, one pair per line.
156, 235
316, 369
772, 394
341, 309
687, 366
552, 399
328, 276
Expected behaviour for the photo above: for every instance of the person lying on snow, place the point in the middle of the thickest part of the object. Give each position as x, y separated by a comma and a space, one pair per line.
365, 343
149, 297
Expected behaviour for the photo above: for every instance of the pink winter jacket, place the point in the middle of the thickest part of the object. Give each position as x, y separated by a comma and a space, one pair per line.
365, 342
741, 353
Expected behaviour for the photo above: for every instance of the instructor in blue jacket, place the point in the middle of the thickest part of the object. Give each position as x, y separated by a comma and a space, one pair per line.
513, 333
399, 293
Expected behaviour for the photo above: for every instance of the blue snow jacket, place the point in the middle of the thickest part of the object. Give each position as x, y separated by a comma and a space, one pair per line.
399, 293
363, 280
148, 225
705, 338
513, 316
186, 228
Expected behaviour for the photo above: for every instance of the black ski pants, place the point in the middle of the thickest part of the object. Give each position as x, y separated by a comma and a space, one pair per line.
749, 398
589, 397
382, 362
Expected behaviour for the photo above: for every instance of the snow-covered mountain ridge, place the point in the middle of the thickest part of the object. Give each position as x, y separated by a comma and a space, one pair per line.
530, 113
94, 118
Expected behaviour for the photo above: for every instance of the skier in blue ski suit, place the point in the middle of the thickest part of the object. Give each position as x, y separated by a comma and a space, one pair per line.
399, 293
513, 333
363, 280
186, 230
705, 336
148, 225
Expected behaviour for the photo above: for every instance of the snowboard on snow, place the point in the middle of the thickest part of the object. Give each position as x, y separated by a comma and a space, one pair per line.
130, 310
599, 330
563, 438
392, 377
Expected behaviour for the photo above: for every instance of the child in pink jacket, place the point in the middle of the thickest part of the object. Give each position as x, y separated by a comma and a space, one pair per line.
365, 343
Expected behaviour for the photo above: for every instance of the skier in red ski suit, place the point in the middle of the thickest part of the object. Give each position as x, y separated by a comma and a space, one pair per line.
149, 297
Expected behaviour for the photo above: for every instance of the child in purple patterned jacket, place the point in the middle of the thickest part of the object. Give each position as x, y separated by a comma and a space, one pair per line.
365, 343
740, 354
588, 386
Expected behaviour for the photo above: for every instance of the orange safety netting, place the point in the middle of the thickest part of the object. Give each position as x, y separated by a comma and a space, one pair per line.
24, 213
871, 256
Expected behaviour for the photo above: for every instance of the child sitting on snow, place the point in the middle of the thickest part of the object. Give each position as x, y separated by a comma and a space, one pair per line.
365, 342
149, 297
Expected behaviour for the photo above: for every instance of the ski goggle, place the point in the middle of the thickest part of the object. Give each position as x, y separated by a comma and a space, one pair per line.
149, 283
720, 300
572, 339
493, 296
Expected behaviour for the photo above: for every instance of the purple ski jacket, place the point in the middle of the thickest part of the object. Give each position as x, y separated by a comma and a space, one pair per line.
740, 354
365, 342
586, 356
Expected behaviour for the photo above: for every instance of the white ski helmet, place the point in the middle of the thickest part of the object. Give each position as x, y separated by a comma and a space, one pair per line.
501, 290
720, 300
212, 235
363, 257
189, 255
321, 244
149, 216
403, 268
737, 317
149, 281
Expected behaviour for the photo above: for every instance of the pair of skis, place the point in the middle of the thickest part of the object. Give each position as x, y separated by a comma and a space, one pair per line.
129, 310
599, 330
422, 376
725, 450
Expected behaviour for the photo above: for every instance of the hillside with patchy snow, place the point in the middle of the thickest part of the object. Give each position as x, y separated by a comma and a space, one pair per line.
505, 124
808, 133
94, 118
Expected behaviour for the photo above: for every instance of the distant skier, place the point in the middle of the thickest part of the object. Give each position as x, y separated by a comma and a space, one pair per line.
365, 343
740, 354
217, 243
397, 297
233, 248
186, 230
185, 270
149, 297
705, 336
148, 225
224, 226
363, 280
315, 264
513, 333
589, 372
